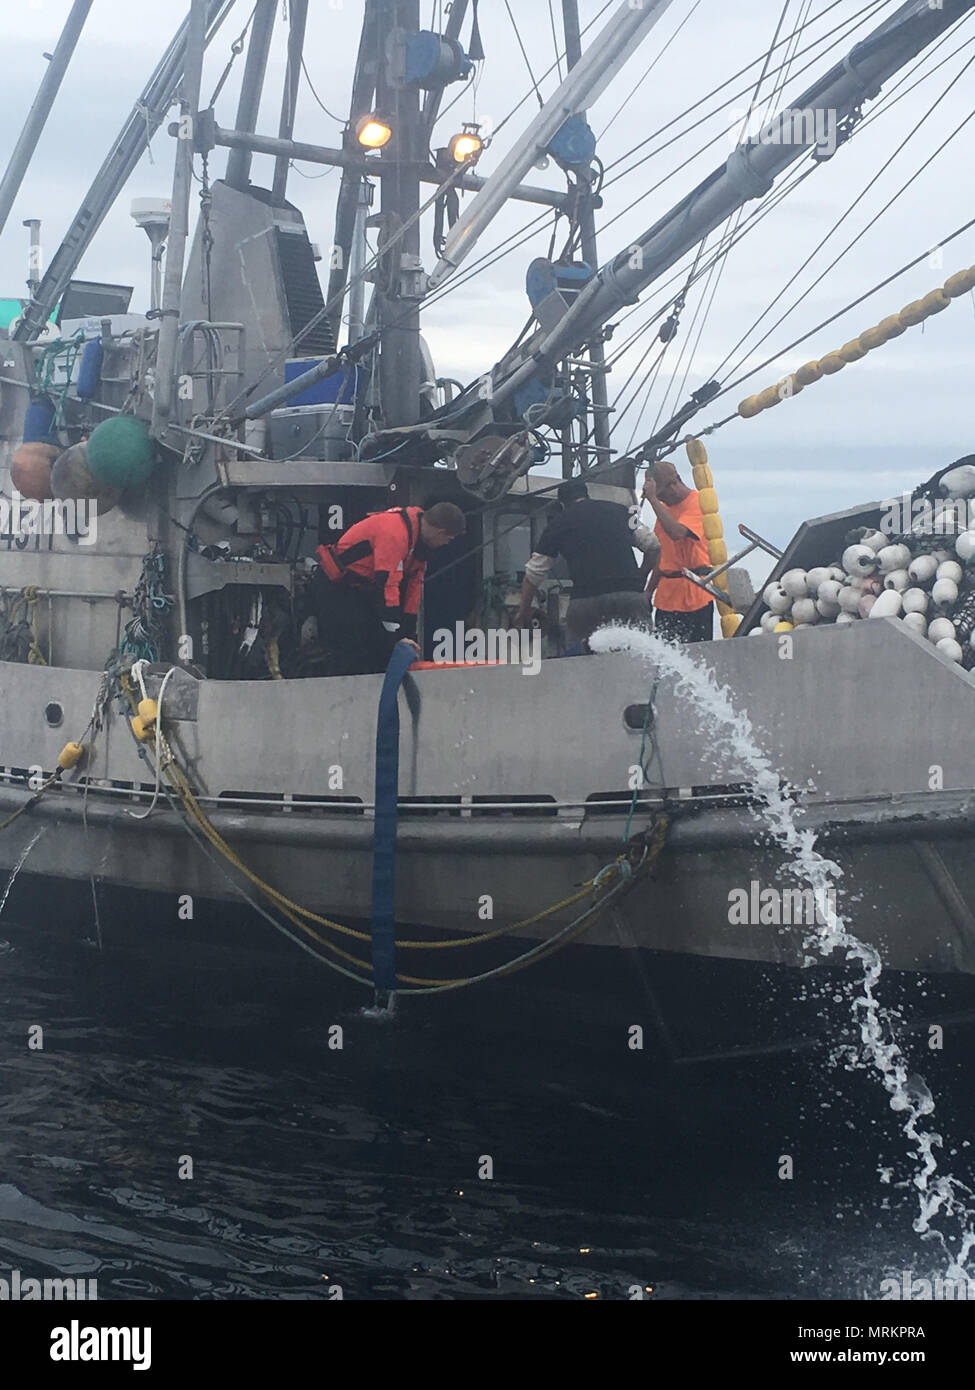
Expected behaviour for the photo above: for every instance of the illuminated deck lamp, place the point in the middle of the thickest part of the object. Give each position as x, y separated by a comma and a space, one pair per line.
466, 147
372, 132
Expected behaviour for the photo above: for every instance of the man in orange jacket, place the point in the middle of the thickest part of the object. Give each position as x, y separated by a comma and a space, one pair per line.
367, 593
683, 612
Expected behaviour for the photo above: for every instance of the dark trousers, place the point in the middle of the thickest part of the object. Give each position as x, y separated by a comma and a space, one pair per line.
350, 628
585, 615
696, 626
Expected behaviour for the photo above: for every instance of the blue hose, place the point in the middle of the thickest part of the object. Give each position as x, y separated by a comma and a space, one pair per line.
387, 808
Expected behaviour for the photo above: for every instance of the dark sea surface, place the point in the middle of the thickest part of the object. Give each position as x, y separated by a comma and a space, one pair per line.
317, 1169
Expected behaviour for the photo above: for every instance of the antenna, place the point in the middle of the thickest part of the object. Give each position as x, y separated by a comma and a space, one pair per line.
153, 216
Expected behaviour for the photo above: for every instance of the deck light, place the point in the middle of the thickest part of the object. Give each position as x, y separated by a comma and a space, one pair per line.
373, 131
466, 147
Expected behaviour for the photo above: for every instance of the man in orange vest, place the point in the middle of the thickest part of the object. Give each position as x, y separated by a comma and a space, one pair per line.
684, 613
367, 593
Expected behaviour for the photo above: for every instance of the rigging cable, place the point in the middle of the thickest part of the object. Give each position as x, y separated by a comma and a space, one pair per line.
783, 77
678, 169
717, 270
311, 88
514, 25
722, 134
236, 49
649, 70
555, 42
853, 304
611, 464
848, 25
885, 103
517, 107
920, 170
472, 80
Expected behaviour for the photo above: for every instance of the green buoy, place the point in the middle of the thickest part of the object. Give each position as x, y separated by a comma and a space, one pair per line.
120, 453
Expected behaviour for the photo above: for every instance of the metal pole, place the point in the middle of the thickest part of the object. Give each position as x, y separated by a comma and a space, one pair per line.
357, 262
289, 100
363, 88
179, 222
400, 367
34, 257
248, 107
587, 227
356, 162
41, 108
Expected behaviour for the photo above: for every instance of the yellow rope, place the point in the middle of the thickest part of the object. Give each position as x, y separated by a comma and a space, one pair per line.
35, 656
273, 654
200, 816
295, 913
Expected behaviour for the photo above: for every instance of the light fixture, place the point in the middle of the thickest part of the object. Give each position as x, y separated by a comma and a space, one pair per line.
373, 132
466, 147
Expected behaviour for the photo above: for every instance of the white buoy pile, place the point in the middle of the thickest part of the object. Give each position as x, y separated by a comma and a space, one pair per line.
927, 583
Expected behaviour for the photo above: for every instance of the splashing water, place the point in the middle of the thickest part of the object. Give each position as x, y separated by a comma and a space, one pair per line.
18, 866
909, 1095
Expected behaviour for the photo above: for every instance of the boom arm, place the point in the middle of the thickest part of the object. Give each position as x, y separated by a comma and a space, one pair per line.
624, 31
749, 172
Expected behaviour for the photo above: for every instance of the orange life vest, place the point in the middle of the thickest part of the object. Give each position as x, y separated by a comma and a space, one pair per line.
377, 553
674, 593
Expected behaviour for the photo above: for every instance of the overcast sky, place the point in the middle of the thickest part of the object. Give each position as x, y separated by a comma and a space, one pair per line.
878, 427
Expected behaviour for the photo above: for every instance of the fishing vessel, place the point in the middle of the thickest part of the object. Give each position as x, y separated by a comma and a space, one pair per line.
167, 720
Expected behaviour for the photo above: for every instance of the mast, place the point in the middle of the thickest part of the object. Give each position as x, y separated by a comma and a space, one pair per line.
127, 149
400, 368
749, 172
347, 203
179, 222
41, 108
249, 103
289, 100
599, 398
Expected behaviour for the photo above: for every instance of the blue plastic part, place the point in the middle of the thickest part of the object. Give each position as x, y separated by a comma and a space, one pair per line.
90, 371
386, 817
39, 422
544, 276
433, 61
340, 388
533, 392
540, 281
574, 143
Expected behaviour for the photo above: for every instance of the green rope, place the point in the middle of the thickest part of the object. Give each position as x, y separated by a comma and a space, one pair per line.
48, 363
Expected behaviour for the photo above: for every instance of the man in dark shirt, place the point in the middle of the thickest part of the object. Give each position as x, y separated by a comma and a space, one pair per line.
597, 540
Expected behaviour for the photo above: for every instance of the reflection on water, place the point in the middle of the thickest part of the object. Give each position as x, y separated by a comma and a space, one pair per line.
315, 1167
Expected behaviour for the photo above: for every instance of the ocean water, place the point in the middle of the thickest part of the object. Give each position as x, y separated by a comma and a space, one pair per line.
319, 1172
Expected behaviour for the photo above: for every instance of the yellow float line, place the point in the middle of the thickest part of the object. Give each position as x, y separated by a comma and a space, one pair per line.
891, 327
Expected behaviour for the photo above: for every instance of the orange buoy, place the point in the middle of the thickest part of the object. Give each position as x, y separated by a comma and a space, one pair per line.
30, 470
